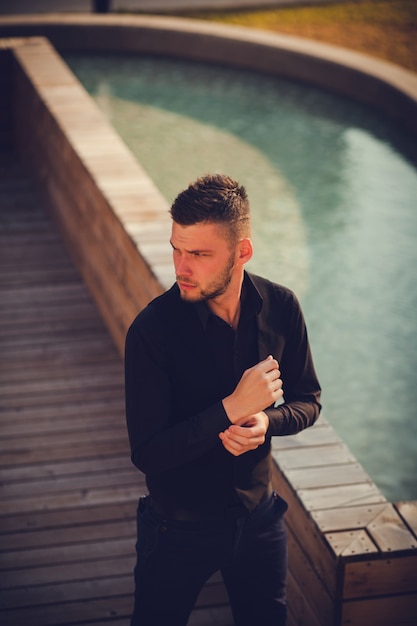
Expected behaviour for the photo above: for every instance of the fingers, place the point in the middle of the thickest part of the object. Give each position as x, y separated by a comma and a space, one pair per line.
268, 379
240, 439
259, 387
235, 447
274, 383
269, 364
270, 368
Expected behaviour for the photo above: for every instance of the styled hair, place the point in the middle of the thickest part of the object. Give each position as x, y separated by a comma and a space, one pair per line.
216, 199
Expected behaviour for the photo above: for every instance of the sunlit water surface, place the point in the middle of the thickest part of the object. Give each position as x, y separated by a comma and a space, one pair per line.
333, 189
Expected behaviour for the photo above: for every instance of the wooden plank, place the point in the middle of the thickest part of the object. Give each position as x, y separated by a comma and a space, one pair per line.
67, 535
31, 301
317, 456
83, 543
347, 518
390, 533
74, 467
54, 409
45, 256
22, 354
382, 523
30, 415
400, 610
300, 523
68, 591
66, 348
34, 392
387, 577
74, 381
301, 611
70, 612
62, 501
67, 553
341, 496
91, 349
82, 450
101, 598
27, 424
15, 445
77, 571
43, 298
67, 484
408, 511
62, 396
351, 543
318, 435
81, 516
62, 274
328, 476
78, 333
308, 595
31, 318
59, 329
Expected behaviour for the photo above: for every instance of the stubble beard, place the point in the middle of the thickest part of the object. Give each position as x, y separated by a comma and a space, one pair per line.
214, 289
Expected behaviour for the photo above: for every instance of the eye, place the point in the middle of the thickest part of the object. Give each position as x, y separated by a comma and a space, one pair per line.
200, 254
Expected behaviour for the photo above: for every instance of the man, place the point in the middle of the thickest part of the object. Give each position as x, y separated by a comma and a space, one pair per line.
215, 367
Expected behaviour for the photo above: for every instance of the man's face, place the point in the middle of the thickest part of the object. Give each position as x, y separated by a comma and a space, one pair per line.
203, 260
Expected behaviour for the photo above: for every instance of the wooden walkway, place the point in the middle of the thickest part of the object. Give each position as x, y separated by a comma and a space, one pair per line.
68, 492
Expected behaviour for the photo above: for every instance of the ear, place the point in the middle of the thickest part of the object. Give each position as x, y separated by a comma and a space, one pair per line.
244, 250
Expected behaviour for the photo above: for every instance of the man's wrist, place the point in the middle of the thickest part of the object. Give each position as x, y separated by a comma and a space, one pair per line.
230, 409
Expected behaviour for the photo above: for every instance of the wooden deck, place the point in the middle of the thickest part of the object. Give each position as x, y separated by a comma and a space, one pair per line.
68, 492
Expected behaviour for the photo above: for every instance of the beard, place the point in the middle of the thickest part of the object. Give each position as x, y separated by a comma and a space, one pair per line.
217, 287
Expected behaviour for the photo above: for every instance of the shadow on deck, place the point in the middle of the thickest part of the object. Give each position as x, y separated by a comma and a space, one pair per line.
68, 489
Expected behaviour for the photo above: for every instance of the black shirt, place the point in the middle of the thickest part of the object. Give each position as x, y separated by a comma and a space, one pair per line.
180, 362
234, 351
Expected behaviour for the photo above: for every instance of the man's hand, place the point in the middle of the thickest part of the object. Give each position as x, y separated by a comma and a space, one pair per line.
249, 435
259, 387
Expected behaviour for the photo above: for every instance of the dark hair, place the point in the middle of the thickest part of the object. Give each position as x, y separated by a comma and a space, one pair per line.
215, 198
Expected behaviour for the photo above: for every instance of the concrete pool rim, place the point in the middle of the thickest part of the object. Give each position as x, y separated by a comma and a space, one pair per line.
385, 86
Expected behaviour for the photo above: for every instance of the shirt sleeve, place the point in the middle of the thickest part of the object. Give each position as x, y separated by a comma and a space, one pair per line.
301, 406
158, 445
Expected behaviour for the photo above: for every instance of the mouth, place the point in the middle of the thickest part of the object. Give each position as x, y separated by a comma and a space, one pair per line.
185, 285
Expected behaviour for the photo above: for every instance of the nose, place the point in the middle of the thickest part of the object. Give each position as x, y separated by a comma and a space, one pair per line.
182, 266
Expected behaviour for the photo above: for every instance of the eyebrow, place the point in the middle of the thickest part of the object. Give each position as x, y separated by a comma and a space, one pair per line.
192, 251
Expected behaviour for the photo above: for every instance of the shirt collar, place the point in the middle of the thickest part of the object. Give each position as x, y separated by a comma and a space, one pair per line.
250, 298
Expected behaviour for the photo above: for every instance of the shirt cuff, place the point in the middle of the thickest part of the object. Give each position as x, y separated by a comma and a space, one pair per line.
214, 419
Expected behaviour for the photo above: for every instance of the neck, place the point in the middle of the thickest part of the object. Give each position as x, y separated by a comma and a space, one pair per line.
227, 306
228, 314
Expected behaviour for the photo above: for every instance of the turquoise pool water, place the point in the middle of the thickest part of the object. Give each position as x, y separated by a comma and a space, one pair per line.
333, 188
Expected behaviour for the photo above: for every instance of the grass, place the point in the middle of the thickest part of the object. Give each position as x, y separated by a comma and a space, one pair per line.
382, 28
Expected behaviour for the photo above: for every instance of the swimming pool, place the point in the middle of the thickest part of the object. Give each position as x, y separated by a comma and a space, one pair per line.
333, 188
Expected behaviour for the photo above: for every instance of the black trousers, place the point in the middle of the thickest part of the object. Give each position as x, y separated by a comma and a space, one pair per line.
176, 558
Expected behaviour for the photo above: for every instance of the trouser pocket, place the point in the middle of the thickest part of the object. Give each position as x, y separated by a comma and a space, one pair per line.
148, 529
